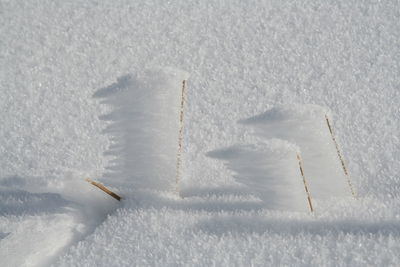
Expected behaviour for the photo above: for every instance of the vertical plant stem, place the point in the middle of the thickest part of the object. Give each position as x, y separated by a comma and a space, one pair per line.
180, 140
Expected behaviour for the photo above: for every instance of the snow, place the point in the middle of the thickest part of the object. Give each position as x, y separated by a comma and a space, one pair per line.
194, 238
306, 126
40, 217
245, 60
270, 171
144, 123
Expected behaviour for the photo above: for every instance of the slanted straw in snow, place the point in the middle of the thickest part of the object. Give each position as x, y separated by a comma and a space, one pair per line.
305, 182
340, 157
180, 140
104, 189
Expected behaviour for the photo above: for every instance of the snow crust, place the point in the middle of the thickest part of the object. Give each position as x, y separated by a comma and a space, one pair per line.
244, 59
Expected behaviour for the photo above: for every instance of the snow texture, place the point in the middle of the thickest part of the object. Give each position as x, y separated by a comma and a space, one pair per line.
244, 59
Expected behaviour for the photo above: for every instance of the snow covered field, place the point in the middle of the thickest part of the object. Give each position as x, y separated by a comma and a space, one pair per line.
250, 62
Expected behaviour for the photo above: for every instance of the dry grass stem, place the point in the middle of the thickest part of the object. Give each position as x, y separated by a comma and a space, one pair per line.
180, 140
305, 182
340, 157
104, 189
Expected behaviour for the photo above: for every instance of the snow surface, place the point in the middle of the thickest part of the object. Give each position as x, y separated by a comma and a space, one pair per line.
244, 58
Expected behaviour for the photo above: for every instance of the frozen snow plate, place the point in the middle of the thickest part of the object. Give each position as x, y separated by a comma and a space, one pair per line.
270, 170
305, 126
144, 127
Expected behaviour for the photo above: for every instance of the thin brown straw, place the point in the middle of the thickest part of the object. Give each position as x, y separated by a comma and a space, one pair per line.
104, 189
340, 157
180, 140
305, 182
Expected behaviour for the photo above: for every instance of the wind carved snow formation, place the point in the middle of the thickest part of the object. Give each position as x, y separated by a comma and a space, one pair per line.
293, 166
145, 128
269, 168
